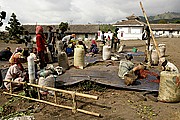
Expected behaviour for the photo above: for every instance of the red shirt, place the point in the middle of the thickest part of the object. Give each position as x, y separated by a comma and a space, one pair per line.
40, 42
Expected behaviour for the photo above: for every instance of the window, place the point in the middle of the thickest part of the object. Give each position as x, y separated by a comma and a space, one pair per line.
86, 35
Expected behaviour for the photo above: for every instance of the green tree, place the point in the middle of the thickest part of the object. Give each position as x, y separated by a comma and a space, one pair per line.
15, 29
107, 27
178, 22
63, 26
162, 21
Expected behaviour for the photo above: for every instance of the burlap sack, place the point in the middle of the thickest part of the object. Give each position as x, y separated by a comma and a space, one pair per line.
169, 89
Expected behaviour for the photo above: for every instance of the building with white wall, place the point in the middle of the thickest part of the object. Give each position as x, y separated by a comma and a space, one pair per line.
130, 29
166, 30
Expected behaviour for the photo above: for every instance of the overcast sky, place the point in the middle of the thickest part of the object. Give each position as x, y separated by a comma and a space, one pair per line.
82, 11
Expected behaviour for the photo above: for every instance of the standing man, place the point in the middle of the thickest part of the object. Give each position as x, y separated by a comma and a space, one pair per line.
57, 35
27, 38
103, 38
28, 43
146, 37
115, 42
50, 40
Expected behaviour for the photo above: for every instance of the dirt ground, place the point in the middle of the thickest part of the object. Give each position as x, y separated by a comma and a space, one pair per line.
113, 103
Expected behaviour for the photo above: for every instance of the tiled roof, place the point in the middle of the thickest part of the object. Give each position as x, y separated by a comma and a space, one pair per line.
129, 23
88, 28
165, 26
32, 28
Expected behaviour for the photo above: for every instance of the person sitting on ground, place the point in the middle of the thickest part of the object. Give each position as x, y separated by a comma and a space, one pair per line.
16, 71
93, 47
5, 54
128, 71
167, 66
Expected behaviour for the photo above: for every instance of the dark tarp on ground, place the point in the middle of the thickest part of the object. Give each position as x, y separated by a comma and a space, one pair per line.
107, 76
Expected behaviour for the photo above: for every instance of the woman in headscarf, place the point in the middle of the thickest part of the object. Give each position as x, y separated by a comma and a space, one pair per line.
93, 47
41, 49
15, 71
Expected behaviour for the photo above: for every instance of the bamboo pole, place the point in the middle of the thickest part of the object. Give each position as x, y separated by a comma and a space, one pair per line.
50, 103
58, 90
156, 46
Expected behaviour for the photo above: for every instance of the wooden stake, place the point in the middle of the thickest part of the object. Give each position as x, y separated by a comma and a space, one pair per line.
50, 103
55, 97
39, 95
156, 46
11, 87
74, 102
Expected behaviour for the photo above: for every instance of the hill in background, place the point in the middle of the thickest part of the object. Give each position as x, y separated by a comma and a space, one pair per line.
168, 17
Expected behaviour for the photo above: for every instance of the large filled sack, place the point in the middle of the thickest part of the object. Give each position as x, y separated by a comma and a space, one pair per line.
63, 60
49, 81
79, 57
59, 46
49, 56
106, 52
169, 89
154, 57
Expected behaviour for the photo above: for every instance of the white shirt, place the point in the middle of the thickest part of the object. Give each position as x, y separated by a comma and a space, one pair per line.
66, 38
171, 67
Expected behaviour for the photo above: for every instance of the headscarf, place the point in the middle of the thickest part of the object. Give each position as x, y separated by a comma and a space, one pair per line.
94, 42
15, 58
39, 30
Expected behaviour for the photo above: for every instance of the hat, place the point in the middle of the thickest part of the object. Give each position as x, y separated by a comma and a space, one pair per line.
129, 56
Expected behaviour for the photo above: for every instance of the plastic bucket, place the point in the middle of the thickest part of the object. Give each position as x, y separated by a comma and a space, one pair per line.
134, 49
68, 50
